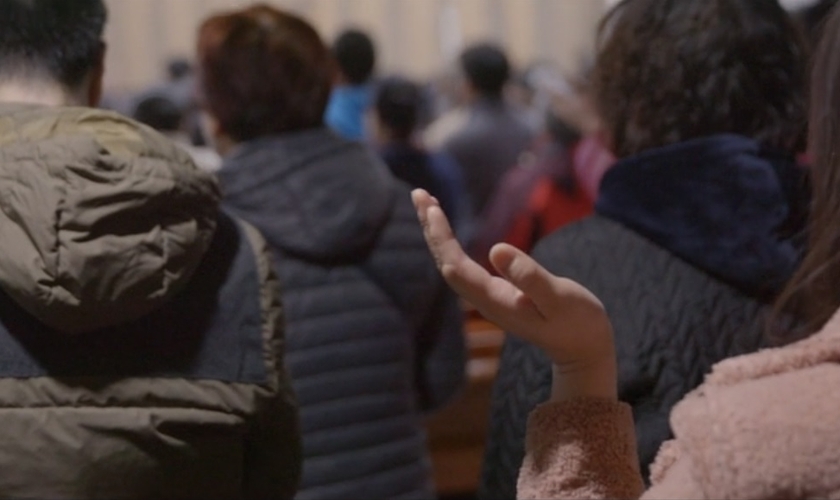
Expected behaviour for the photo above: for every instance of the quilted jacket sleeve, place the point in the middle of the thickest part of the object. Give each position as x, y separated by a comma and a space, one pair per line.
441, 353
273, 450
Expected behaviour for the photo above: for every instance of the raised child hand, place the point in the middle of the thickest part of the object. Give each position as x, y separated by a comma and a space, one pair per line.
558, 315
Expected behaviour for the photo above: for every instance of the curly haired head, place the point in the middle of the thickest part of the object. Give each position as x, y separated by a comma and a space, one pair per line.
672, 70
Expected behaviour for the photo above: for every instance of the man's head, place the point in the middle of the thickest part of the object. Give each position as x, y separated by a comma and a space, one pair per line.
486, 69
160, 113
355, 55
397, 109
53, 46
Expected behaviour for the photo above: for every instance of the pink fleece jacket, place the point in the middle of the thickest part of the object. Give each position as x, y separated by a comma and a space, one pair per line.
762, 426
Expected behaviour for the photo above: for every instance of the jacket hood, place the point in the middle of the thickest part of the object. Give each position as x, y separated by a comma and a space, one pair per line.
312, 194
102, 220
722, 203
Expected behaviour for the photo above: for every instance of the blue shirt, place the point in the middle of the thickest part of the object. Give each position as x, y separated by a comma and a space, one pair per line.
346, 110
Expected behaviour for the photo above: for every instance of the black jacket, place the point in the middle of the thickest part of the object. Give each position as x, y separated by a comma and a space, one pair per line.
373, 336
488, 145
690, 244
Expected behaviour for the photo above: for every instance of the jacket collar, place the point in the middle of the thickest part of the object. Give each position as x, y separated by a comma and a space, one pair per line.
720, 203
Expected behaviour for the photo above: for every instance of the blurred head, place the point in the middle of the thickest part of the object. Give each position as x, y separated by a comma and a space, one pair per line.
397, 109
486, 69
51, 51
673, 70
160, 113
262, 72
355, 55
178, 69
813, 295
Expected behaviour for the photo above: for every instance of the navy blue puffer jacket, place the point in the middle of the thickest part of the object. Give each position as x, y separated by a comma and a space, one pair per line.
374, 338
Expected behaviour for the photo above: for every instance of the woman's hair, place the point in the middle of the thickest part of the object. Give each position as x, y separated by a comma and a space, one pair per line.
672, 70
813, 294
263, 72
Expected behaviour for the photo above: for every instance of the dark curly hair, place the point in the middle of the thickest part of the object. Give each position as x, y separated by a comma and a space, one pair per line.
672, 70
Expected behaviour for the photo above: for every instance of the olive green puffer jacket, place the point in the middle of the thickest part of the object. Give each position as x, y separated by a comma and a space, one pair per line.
141, 332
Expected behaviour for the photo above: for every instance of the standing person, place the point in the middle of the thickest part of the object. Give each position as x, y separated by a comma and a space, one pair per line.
696, 226
491, 135
762, 426
374, 337
141, 333
355, 55
395, 116
539, 195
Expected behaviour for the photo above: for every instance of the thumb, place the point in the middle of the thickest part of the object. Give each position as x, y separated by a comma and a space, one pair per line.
526, 274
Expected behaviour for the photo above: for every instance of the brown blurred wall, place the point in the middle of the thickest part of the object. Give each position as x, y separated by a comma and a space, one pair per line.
415, 37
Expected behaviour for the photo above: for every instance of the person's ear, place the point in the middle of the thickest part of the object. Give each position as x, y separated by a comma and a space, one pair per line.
96, 78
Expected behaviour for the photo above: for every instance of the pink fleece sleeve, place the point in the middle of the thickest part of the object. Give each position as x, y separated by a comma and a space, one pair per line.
584, 448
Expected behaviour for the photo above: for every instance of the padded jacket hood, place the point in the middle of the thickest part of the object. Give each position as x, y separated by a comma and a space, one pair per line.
102, 220
313, 194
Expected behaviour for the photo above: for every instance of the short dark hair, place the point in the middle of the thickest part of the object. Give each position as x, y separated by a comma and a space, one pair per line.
356, 56
62, 38
178, 69
262, 72
672, 70
487, 68
160, 113
398, 103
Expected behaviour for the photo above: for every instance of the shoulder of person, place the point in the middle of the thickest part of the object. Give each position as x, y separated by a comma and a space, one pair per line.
767, 425
582, 241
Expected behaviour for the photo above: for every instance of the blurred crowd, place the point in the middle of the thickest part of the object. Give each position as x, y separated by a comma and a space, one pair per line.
219, 287
512, 154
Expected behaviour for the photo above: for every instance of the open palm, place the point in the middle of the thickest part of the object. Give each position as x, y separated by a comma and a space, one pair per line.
556, 314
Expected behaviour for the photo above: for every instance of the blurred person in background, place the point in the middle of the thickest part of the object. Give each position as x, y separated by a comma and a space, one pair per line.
447, 107
141, 333
540, 194
491, 135
395, 114
698, 225
165, 116
374, 336
355, 56
591, 157
761, 426
522, 94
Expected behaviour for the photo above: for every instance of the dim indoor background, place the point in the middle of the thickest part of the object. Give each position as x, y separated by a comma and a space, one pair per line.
414, 37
